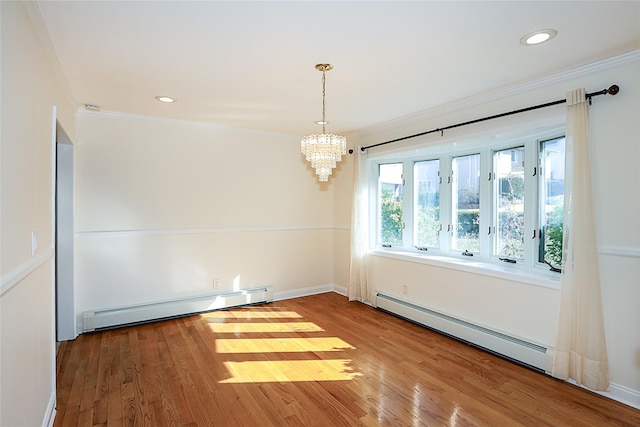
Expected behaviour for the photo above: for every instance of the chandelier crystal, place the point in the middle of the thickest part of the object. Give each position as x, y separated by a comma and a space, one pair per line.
323, 150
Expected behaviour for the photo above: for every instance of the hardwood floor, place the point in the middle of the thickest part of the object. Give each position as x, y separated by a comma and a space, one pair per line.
312, 361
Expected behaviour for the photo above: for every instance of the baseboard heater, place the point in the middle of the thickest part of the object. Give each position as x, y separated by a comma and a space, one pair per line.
97, 320
529, 354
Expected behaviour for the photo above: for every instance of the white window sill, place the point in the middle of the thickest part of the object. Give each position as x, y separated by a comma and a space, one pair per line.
535, 276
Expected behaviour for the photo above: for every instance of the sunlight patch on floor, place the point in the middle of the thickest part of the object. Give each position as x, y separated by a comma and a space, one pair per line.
252, 315
280, 345
290, 371
231, 328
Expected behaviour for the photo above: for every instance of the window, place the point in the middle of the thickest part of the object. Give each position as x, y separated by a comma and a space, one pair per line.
498, 199
427, 204
390, 196
465, 179
551, 201
509, 202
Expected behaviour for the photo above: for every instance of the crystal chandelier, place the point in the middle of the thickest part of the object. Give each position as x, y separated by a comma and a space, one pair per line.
324, 150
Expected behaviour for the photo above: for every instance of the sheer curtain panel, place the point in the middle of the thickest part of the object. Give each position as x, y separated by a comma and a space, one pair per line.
580, 352
358, 289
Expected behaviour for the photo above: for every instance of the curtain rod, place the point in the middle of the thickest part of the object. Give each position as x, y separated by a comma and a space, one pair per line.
612, 90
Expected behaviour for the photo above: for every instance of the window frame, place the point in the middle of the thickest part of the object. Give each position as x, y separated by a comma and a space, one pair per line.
486, 146
541, 173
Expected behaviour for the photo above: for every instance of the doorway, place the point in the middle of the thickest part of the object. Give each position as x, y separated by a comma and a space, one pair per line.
64, 242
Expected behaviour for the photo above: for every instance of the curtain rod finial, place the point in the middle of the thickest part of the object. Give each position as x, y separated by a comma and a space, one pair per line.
613, 89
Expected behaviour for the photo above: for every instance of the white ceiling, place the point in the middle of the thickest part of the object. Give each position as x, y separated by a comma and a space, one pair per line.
251, 64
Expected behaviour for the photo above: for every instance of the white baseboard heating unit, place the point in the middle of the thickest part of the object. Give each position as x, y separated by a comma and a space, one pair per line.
135, 314
520, 351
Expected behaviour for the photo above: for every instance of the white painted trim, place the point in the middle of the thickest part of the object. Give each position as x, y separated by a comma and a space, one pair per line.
622, 251
503, 92
624, 395
131, 233
15, 276
50, 414
342, 290
302, 292
51, 407
106, 113
617, 392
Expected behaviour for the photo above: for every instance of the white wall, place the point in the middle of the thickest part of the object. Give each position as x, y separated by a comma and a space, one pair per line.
164, 207
523, 309
29, 92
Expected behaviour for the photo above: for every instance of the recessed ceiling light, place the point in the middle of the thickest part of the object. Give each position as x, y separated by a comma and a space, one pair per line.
538, 37
165, 99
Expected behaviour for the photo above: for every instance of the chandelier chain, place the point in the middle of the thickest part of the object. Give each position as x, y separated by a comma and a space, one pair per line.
324, 101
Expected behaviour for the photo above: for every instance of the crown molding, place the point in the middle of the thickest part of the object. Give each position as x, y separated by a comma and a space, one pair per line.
503, 92
81, 111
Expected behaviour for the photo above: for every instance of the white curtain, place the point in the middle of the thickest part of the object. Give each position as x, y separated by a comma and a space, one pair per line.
580, 352
358, 289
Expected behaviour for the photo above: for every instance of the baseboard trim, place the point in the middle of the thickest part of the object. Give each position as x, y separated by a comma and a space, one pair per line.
302, 292
617, 392
313, 290
340, 290
50, 414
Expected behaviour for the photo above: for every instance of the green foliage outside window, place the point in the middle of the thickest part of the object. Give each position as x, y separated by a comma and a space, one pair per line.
511, 232
390, 217
468, 221
428, 226
468, 230
553, 237
511, 216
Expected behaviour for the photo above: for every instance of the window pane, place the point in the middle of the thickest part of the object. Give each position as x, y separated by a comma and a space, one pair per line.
427, 203
390, 196
551, 201
509, 181
465, 193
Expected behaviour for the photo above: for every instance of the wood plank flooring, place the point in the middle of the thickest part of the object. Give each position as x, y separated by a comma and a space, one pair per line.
312, 361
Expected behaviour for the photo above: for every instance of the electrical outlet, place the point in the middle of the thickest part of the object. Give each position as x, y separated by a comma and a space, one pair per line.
405, 289
216, 282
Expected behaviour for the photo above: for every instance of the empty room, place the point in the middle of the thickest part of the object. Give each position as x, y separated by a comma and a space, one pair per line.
319, 213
